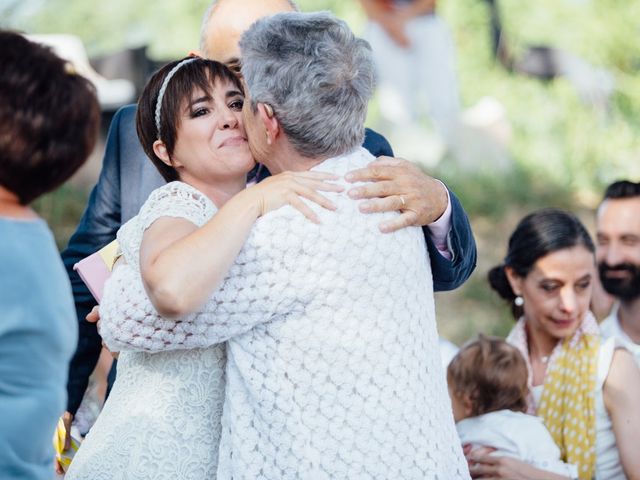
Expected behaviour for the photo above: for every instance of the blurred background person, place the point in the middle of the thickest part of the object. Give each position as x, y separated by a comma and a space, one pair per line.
49, 119
488, 388
584, 389
618, 256
415, 64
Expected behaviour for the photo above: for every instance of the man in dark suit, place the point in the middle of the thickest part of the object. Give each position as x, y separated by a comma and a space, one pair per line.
127, 178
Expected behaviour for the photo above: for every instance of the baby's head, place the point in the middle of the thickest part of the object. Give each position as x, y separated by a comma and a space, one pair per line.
487, 375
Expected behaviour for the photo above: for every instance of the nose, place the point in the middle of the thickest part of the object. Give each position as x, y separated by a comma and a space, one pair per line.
227, 119
612, 255
568, 300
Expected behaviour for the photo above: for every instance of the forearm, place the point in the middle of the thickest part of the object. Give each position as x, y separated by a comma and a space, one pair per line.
183, 276
130, 322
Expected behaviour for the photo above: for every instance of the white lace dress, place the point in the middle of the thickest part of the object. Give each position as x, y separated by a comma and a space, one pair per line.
333, 366
162, 418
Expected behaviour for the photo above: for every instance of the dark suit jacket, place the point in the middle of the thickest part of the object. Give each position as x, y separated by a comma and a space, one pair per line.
126, 180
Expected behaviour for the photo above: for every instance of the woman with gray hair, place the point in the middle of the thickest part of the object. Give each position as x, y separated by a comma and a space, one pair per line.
332, 366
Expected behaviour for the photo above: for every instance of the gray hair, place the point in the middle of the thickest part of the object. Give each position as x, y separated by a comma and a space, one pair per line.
316, 75
204, 26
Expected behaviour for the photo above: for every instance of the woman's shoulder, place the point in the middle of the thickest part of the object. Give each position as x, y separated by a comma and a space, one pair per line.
177, 190
176, 199
607, 358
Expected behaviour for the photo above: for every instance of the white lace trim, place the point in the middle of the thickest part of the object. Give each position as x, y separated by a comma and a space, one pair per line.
175, 199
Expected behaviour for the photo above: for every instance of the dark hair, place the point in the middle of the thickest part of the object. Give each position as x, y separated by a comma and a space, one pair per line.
538, 234
622, 189
492, 374
49, 118
200, 73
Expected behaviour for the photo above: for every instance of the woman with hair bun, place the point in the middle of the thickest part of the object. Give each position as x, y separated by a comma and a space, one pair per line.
582, 387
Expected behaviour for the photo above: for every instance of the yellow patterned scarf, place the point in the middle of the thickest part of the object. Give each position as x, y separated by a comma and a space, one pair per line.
567, 404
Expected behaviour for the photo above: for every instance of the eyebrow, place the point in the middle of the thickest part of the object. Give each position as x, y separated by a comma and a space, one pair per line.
201, 99
586, 276
233, 93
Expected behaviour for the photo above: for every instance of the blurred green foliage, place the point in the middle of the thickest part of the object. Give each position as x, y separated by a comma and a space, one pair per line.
563, 151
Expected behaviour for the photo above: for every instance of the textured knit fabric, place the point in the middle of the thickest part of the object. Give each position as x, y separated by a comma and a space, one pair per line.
38, 334
517, 435
162, 418
333, 366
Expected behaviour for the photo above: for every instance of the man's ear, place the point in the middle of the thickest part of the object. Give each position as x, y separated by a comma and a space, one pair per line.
269, 120
195, 53
514, 280
160, 149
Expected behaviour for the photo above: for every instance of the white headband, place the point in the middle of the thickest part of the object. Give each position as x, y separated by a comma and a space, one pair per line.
163, 88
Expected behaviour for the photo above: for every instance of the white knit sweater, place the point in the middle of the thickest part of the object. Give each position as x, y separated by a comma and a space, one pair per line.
333, 367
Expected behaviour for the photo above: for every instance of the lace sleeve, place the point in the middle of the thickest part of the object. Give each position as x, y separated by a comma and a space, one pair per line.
175, 199
258, 289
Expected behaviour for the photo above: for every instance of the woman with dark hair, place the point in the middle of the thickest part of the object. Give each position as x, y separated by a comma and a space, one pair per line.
584, 389
162, 418
49, 120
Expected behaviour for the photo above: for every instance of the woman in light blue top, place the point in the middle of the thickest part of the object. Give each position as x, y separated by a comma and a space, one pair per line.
48, 124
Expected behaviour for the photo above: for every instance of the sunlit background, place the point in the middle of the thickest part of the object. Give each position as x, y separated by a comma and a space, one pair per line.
523, 143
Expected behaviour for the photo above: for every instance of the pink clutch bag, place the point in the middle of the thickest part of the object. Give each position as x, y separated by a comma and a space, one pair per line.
96, 268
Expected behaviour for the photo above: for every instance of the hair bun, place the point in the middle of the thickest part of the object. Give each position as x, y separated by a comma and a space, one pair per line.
499, 282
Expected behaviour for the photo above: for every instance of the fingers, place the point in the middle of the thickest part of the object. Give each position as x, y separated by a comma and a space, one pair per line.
390, 161
382, 188
315, 197
387, 204
67, 420
303, 208
316, 175
58, 467
319, 185
384, 168
94, 315
406, 219
373, 173
482, 453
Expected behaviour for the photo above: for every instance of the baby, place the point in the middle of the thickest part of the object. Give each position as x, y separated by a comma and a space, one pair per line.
488, 388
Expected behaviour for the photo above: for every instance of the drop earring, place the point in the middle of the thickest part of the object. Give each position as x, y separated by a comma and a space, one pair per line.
518, 301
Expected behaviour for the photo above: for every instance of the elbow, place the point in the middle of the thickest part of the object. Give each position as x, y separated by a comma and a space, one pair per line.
168, 301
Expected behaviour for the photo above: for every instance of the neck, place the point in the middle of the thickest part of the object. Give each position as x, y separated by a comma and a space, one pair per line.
629, 317
540, 344
11, 207
283, 157
221, 191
